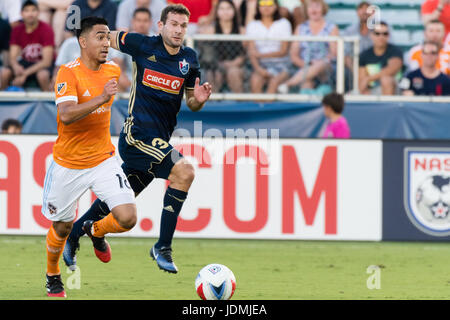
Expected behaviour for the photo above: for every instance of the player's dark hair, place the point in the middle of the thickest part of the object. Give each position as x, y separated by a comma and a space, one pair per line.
88, 23
335, 101
29, 3
276, 15
176, 9
11, 123
144, 10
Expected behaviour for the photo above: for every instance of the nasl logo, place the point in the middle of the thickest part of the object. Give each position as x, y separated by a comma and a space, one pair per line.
184, 67
427, 189
214, 269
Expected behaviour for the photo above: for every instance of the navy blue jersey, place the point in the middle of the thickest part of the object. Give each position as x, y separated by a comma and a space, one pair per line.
158, 84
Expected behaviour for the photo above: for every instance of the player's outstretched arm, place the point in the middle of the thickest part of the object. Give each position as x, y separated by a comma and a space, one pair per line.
197, 97
70, 111
113, 40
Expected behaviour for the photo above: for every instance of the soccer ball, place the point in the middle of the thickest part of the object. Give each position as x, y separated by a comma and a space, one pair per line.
433, 199
215, 282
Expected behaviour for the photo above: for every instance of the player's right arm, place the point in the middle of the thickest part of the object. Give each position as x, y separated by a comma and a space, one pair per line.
69, 110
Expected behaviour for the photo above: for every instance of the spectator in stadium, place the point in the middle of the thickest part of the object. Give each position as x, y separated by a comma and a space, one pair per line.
269, 59
428, 79
97, 8
337, 126
434, 32
202, 13
247, 10
5, 31
315, 60
126, 11
33, 42
360, 28
10, 11
9, 18
293, 10
11, 126
54, 12
141, 23
226, 57
437, 10
380, 67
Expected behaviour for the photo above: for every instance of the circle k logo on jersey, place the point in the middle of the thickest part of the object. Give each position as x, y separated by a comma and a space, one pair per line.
162, 81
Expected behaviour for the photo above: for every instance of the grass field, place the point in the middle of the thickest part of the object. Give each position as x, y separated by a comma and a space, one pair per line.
264, 270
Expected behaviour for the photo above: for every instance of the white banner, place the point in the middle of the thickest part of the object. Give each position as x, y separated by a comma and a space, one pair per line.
244, 188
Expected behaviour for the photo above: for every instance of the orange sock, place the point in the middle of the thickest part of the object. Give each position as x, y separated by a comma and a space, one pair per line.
107, 225
55, 246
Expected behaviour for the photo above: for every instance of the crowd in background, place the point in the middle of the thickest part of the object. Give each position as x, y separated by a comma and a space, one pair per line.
38, 39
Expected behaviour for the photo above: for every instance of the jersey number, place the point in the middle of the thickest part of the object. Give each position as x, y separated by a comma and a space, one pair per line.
123, 182
160, 143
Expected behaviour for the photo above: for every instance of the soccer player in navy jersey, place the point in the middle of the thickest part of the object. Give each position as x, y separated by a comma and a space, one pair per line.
163, 70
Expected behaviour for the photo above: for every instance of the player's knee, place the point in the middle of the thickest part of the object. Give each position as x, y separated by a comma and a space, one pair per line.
126, 216
62, 229
185, 174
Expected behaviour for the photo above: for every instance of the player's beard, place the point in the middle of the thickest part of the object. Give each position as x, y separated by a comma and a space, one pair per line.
168, 41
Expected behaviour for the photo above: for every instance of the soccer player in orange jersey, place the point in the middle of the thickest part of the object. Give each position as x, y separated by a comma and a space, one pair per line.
164, 71
83, 155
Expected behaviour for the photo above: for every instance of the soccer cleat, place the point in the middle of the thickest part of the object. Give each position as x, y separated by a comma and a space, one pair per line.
69, 253
163, 258
55, 287
101, 247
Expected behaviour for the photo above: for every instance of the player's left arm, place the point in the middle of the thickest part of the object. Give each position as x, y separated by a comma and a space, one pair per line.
197, 97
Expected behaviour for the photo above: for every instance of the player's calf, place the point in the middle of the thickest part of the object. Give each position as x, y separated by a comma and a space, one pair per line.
181, 177
121, 219
125, 215
56, 238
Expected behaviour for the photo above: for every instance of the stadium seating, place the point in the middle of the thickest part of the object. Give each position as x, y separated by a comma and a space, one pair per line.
403, 16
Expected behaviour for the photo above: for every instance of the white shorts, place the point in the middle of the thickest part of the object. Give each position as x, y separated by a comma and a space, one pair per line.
63, 187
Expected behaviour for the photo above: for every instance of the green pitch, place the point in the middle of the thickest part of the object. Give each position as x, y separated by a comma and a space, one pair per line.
273, 270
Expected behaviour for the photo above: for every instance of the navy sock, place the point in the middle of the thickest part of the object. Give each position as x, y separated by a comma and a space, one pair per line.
96, 212
173, 202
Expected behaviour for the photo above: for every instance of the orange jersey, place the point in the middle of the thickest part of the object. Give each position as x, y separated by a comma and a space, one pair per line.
414, 59
87, 142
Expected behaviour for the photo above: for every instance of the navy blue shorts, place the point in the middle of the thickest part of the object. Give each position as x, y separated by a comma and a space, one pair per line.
145, 161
